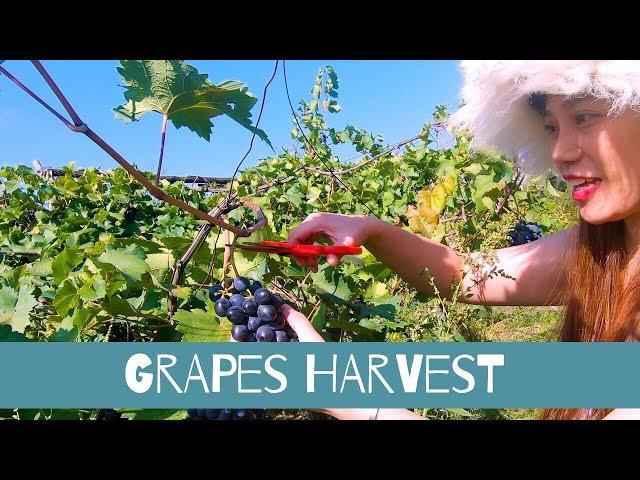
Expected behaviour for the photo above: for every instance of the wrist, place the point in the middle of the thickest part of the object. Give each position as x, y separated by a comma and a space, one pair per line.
372, 228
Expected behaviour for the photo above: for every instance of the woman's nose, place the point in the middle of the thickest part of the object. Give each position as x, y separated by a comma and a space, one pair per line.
566, 148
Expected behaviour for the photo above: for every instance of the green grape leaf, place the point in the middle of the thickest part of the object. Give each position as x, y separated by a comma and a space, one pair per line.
351, 327
199, 326
319, 319
93, 289
64, 263
118, 306
130, 265
66, 298
187, 98
328, 281
155, 414
15, 308
8, 335
63, 335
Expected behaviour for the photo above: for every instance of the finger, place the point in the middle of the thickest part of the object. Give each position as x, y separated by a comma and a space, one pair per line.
349, 241
299, 260
304, 232
307, 262
300, 324
333, 260
312, 263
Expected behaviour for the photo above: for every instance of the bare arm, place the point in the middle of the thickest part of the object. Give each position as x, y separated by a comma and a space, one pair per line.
534, 268
531, 274
528, 274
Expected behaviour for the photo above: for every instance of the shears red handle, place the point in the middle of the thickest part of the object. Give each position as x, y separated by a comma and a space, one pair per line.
299, 249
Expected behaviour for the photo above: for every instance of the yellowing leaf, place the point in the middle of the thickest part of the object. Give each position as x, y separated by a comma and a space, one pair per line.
438, 198
414, 224
181, 292
450, 183
427, 214
424, 196
377, 289
427, 229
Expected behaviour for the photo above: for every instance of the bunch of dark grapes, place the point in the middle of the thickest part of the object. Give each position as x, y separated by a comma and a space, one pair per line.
254, 311
524, 232
223, 414
256, 316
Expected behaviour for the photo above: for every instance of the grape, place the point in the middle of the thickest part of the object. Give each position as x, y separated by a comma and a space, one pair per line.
262, 296
524, 232
214, 296
239, 332
212, 413
250, 306
241, 284
251, 337
265, 334
221, 307
236, 315
254, 323
294, 339
225, 414
237, 300
255, 286
267, 312
276, 300
279, 323
281, 336
218, 414
241, 415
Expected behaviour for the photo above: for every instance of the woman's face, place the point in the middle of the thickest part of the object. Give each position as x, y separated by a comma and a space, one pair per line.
605, 150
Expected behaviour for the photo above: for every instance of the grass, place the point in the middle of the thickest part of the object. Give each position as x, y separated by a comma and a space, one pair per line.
524, 324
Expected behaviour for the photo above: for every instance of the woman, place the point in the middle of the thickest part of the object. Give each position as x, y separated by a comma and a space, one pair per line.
582, 119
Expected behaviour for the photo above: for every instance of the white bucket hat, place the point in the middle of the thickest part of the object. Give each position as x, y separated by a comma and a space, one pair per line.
495, 101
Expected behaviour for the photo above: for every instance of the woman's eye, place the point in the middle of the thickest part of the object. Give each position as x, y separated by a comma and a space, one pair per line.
550, 129
583, 117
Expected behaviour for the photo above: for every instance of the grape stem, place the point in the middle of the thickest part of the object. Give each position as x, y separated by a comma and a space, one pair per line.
285, 293
165, 120
231, 258
227, 256
313, 310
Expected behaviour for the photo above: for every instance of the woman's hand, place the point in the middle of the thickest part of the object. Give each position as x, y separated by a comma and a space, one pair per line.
350, 230
301, 325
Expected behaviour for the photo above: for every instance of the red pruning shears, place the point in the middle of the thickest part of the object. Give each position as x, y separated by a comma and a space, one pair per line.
298, 249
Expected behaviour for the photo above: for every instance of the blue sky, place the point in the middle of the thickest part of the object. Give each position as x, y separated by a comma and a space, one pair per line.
392, 98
